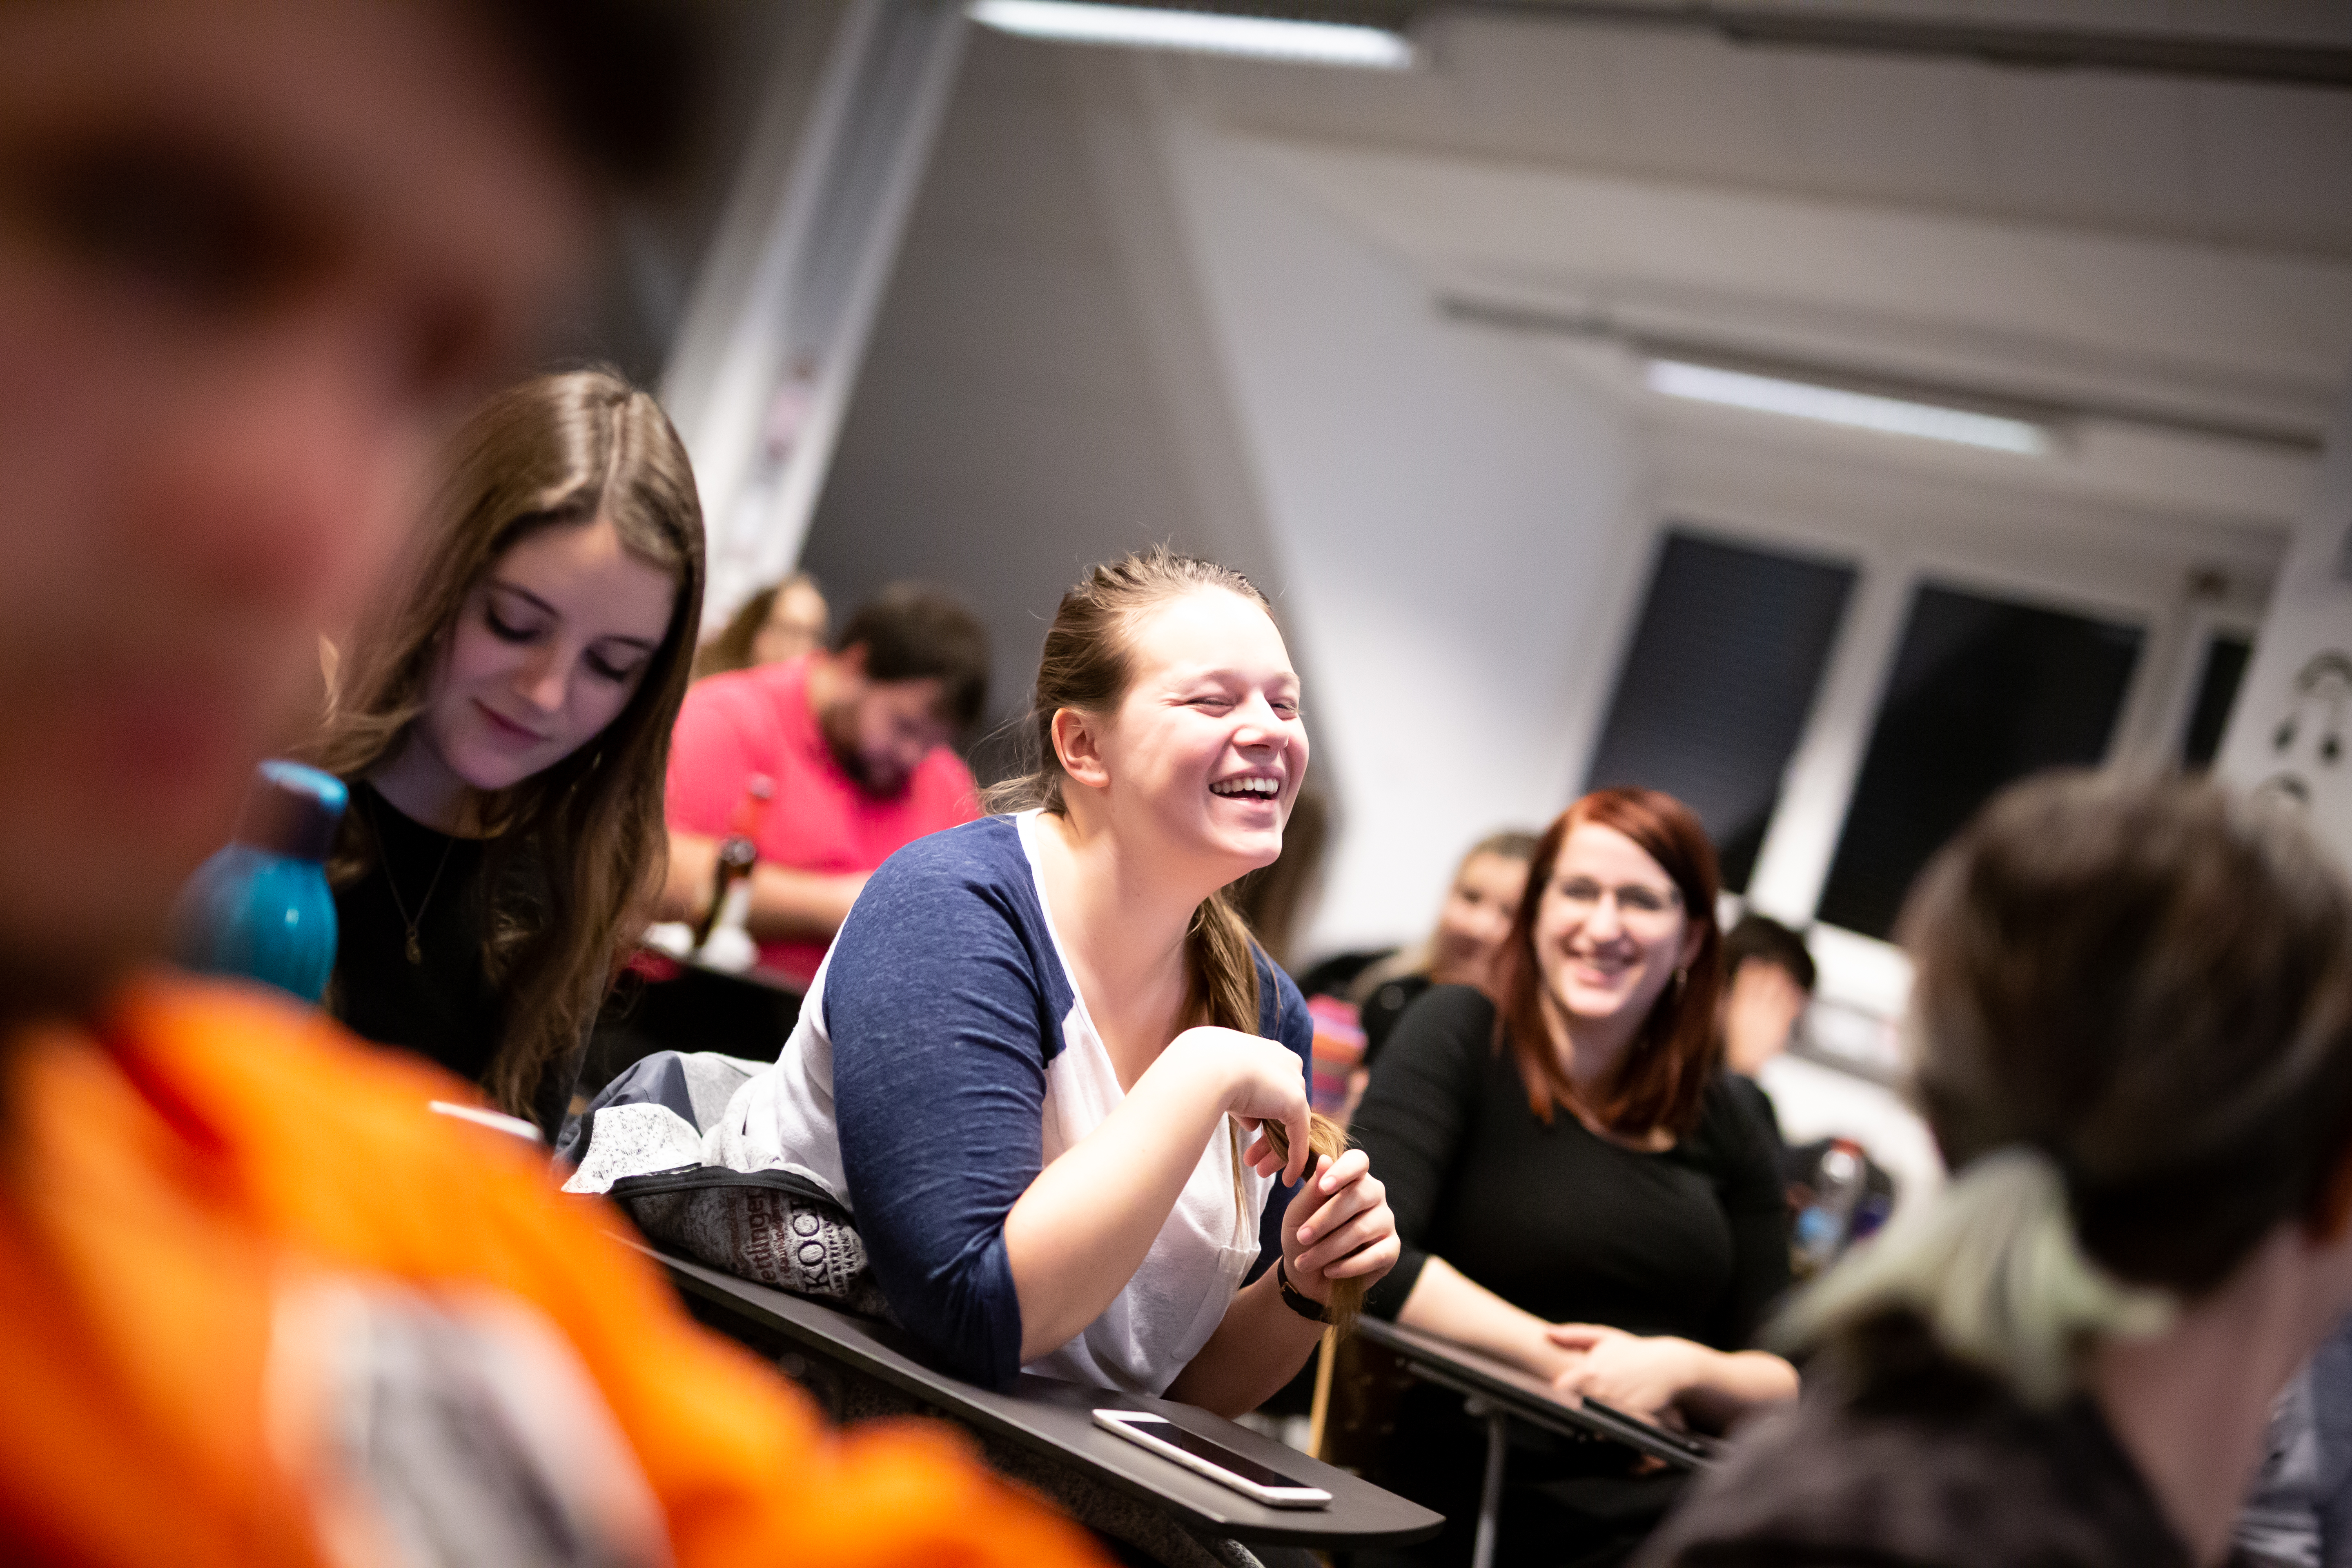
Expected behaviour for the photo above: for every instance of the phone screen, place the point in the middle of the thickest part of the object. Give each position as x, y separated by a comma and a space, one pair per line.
1217, 1454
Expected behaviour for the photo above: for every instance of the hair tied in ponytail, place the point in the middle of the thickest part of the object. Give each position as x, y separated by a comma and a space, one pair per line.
1993, 1265
1325, 1139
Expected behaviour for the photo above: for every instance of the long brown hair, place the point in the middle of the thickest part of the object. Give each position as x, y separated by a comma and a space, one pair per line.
1659, 1082
557, 450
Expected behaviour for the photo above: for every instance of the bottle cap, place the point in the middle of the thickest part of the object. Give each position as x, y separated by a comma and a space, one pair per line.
292, 810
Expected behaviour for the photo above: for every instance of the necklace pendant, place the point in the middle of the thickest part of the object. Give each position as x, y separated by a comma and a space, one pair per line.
416, 948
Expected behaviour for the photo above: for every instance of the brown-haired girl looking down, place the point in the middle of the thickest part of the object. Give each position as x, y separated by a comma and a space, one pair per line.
1033, 1063
1576, 1190
503, 718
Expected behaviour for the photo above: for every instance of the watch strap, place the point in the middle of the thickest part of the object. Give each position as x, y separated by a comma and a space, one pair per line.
1299, 1301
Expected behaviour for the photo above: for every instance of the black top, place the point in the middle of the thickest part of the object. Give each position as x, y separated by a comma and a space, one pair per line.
1758, 1102
1900, 1457
1383, 1009
445, 1005
1554, 1218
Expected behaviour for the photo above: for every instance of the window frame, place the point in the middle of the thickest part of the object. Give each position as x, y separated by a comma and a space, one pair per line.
2152, 569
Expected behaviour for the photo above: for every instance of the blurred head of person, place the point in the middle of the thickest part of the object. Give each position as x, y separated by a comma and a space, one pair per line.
1480, 904
254, 264
907, 675
781, 621
2131, 1028
1609, 975
520, 673
1768, 983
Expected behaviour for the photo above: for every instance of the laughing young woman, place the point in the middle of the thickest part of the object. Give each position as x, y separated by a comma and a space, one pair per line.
1034, 1059
1576, 1188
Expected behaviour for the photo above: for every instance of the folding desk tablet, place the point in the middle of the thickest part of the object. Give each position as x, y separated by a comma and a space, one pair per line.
1497, 1393
1055, 1419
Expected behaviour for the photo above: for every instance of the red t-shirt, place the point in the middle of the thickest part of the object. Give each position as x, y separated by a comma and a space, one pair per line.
757, 720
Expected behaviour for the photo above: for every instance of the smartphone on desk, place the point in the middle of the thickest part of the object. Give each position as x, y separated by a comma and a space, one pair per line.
1220, 1464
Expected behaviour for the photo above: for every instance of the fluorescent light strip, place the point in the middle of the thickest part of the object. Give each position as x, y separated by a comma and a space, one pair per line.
1207, 32
1838, 406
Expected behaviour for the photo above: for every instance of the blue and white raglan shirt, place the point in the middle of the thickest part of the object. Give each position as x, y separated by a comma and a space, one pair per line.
944, 1056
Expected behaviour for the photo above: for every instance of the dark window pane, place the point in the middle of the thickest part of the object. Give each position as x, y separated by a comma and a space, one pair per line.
2217, 690
1715, 686
1984, 691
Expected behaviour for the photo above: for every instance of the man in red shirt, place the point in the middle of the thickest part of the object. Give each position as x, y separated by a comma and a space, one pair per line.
854, 743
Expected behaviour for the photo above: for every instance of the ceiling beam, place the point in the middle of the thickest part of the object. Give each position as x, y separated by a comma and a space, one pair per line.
2013, 45
1600, 326
2016, 45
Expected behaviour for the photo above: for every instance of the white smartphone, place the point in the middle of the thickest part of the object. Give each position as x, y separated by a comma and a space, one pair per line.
1214, 1460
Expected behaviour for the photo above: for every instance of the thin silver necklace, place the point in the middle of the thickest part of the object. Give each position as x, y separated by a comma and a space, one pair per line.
415, 949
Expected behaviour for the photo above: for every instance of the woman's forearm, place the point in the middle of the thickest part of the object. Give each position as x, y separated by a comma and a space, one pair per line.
1727, 1384
1446, 1303
1259, 1346
1078, 1235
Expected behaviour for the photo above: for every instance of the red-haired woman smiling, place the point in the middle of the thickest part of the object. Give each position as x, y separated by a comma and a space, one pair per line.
1574, 1188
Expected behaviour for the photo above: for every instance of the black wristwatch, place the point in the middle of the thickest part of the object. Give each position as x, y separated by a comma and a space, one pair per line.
1299, 1301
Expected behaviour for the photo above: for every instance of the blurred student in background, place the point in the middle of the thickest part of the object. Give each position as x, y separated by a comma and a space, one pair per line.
1767, 984
1836, 1193
1576, 1189
1480, 904
781, 621
855, 745
2132, 1016
503, 716
254, 260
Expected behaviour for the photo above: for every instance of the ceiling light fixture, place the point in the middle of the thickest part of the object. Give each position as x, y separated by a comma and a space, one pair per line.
1842, 406
1204, 32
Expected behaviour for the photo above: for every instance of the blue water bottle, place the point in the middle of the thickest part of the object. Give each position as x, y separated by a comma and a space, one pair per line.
261, 908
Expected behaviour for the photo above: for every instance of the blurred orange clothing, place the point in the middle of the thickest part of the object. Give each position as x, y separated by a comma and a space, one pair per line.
259, 1306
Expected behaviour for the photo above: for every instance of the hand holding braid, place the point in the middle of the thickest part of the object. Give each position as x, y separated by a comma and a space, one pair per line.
1327, 1140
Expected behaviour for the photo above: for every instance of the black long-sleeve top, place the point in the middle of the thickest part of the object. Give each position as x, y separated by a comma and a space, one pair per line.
1552, 1218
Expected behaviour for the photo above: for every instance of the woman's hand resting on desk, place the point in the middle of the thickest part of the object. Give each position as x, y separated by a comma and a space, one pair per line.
1641, 1375
1674, 1382
1339, 1226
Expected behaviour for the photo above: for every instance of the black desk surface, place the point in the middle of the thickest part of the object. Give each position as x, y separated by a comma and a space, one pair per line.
1527, 1397
1056, 1418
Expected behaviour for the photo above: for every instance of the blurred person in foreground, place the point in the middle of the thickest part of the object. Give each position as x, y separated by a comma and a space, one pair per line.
781, 621
855, 745
2132, 1020
261, 1306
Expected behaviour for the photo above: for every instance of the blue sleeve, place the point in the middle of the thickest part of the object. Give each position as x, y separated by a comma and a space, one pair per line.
1282, 1015
938, 1026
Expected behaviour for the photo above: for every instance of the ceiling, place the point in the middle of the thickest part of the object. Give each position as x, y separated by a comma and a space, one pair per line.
2172, 244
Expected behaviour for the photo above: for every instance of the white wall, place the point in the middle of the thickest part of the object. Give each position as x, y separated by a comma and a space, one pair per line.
1446, 513
1011, 426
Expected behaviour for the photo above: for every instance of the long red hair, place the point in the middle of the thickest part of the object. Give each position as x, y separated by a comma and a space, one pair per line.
1665, 1070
